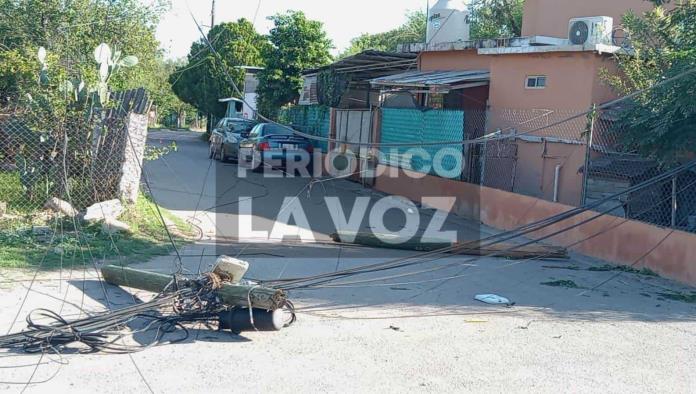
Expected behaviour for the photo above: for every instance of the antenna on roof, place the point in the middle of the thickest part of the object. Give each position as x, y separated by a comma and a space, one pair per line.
427, 20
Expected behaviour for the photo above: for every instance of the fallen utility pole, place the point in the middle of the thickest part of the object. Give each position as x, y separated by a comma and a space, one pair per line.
216, 296
230, 294
472, 248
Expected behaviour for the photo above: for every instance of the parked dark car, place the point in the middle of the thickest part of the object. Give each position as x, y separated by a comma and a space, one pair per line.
225, 138
271, 145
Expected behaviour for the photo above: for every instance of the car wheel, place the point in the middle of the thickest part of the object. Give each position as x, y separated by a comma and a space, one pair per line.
218, 154
211, 152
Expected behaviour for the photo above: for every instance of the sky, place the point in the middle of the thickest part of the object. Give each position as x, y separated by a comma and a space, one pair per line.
342, 20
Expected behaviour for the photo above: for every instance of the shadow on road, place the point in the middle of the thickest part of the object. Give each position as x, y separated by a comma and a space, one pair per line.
190, 184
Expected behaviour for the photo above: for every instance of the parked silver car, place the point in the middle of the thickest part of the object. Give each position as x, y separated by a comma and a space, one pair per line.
225, 138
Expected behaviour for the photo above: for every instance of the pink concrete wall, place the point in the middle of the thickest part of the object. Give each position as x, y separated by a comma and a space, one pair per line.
536, 167
601, 91
569, 84
551, 17
672, 254
573, 85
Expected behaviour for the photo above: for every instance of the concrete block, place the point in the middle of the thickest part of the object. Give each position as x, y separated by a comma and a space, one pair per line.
111, 209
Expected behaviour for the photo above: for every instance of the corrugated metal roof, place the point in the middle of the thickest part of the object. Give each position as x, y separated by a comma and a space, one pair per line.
426, 79
370, 59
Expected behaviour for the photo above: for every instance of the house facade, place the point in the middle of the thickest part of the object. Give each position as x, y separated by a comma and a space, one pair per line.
246, 108
550, 17
536, 80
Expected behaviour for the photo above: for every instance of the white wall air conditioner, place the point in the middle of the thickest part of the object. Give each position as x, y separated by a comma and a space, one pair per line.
591, 30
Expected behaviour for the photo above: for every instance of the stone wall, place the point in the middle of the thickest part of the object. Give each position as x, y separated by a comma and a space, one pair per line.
131, 169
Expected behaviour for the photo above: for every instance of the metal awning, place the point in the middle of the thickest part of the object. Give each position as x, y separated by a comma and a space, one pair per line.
370, 64
436, 80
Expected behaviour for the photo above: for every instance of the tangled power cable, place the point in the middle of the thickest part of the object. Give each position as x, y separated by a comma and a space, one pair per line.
191, 301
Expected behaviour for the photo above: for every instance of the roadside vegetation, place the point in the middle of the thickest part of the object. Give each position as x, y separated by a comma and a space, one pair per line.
14, 195
54, 242
658, 123
60, 65
71, 33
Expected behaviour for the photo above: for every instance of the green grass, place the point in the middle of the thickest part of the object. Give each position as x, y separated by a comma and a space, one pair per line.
148, 238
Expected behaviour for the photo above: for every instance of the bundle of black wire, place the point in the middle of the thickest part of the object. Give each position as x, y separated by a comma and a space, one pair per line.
105, 332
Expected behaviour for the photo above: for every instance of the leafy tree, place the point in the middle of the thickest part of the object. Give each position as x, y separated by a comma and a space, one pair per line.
203, 80
297, 44
496, 18
70, 30
412, 31
661, 122
169, 108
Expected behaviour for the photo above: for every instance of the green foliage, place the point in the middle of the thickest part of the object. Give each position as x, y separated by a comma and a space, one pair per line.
16, 68
331, 86
13, 193
49, 140
147, 238
202, 81
412, 31
297, 44
660, 123
496, 18
166, 103
71, 30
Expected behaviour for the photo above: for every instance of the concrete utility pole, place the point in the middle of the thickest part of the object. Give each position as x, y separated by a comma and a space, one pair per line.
212, 16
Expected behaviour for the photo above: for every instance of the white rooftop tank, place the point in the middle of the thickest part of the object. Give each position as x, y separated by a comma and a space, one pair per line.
448, 21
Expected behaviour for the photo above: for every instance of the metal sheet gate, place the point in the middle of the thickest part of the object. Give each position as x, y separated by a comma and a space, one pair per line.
354, 126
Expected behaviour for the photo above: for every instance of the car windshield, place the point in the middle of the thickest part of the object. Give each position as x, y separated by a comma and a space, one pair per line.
274, 129
240, 127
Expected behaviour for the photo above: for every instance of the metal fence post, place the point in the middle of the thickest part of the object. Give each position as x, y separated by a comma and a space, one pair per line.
589, 135
674, 202
484, 149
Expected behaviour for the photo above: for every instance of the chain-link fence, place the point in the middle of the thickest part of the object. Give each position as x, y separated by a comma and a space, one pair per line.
572, 157
613, 166
581, 157
78, 158
532, 150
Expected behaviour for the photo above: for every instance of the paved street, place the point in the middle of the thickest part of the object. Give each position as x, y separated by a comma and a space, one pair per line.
419, 332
